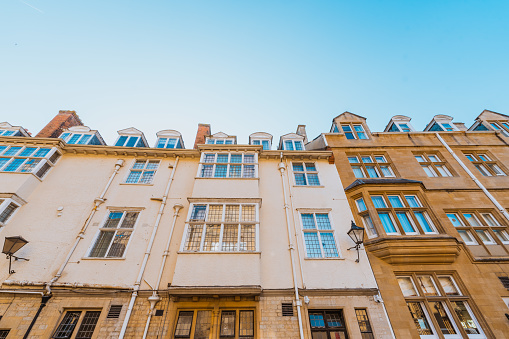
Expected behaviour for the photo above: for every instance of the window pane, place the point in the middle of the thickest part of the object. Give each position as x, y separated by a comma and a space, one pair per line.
228, 142
236, 158
3, 161
387, 223
357, 171
206, 171
300, 179
246, 323
423, 327
490, 220
13, 165
308, 222
88, 325
203, 324
378, 201
139, 164
147, 177
412, 201
265, 144
198, 212
12, 150
366, 159
235, 171
483, 157
152, 164
113, 219
429, 171
502, 235
101, 244
7, 212
248, 238
29, 165
444, 323
423, 222
298, 145
194, 237
160, 143
84, 139
454, 219
465, 318
211, 242
443, 170
448, 285
329, 245
310, 167
129, 220
256, 142
361, 205
380, 158
395, 201
483, 170
386, 171
370, 228
313, 179
184, 322
353, 160
407, 287
485, 238
312, 245
405, 223
227, 326
372, 172
364, 325
248, 213
222, 158
298, 167
249, 171
42, 152
67, 325
316, 320
133, 177
231, 213
171, 143
230, 237
288, 145
120, 241
209, 158
427, 285
467, 237
220, 171
420, 158
27, 151
322, 221
215, 213
471, 219
132, 141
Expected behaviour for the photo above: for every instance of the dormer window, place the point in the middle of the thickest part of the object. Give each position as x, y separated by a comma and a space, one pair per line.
7, 130
261, 138
400, 127
293, 145
7, 133
131, 137
81, 135
219, 141
169, 139
441, 123
354, 131
265, 143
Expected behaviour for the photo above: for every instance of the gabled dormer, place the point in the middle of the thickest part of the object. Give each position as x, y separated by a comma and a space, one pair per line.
7, 130
169, 138
221, 138
131, 137
399, 123
82, 135
291, 142
491, 121
441, 123
353, 126
261, 138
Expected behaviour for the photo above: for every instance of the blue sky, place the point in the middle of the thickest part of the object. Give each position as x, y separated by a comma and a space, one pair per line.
246, 66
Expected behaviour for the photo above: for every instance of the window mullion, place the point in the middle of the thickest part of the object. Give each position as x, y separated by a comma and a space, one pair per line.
238, 236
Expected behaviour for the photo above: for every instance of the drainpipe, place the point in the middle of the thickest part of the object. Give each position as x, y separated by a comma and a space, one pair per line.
44, 301
97, 202
295, 228
282, 169
474, 178
152, 299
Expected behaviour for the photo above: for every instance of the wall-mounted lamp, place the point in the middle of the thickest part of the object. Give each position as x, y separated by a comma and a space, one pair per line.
11, 246
356, 233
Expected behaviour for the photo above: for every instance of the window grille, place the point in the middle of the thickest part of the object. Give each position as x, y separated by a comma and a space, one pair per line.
4, 333
228, 165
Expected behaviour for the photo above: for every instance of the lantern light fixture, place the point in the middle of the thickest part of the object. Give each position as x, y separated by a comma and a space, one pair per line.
356, 233
11, 246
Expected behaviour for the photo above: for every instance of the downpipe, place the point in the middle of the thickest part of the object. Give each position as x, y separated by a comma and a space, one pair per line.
44, 301
298, 302
154, 298
97, 202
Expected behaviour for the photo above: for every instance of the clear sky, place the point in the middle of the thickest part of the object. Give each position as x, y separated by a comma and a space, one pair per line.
250, 65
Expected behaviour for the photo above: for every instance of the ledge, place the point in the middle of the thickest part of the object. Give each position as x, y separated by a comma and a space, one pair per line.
415, 250
215, 290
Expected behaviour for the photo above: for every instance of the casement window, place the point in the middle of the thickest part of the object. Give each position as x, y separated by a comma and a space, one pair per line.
400, 127
114, 235
80, 138
442, 127
197, 324
366, 219
7, 208
364, 324
265, 143
433, 164
354, 131
368, 165
220, 141
228, 165
222, 228
402, 213
305, 174
293, 145
77, 324
9, 133
318, 236
438, 305
479, 227
327, 324
25, 159
130, 141
168, 143
486, 164
142, 172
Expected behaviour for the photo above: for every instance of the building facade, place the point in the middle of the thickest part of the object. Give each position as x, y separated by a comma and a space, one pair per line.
434, 208
224, 240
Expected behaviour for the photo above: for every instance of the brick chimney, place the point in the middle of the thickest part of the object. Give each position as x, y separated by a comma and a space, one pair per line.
203, 131
63, 120
301, 130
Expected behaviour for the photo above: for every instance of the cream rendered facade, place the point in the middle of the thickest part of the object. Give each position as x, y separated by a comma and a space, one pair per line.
155, 283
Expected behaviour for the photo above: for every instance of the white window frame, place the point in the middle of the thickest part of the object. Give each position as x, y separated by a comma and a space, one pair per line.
353, 131
142, 171
138, 140
4, 204
228, 165
215, 140
490, 241
114, 231
504, 232
318, 232
41, 160
261, 140
177, 142
222, 223
293, 141
82, 135
473, 242
306, 172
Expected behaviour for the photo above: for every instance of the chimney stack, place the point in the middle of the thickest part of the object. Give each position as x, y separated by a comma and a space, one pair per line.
203, 131
63, 120
301, 130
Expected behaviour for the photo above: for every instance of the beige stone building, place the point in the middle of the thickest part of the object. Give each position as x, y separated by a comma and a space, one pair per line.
224, 240
434, 207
